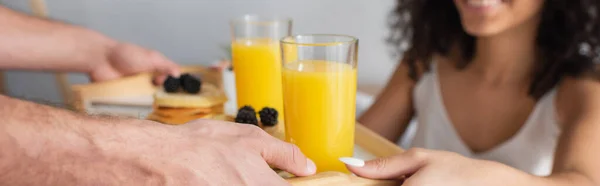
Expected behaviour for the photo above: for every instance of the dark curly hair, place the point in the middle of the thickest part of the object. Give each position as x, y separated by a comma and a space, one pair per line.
568, 38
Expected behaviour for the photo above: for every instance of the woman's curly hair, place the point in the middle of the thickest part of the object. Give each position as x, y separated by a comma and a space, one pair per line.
568, 38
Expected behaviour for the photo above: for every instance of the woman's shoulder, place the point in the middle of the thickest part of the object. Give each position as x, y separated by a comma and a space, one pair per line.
577, 97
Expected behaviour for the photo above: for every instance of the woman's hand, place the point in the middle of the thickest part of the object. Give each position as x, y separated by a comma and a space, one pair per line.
421, 167
124, 59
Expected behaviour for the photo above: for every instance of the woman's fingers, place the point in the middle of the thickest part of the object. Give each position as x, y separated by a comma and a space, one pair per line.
393, 167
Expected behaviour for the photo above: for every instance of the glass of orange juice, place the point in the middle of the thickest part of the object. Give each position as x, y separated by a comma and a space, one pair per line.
319, 93
256, 57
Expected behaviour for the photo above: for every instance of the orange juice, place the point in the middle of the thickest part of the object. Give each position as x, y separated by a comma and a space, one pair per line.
257, 67
319, 110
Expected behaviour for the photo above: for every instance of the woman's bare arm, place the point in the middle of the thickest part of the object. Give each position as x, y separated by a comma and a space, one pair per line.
578, 107
392, 111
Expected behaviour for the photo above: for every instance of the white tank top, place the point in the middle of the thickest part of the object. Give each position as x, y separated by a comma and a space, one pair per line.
531, 149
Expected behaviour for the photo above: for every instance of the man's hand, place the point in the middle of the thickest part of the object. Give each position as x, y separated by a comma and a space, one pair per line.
31, 43
126, 59
48, 146
206, 152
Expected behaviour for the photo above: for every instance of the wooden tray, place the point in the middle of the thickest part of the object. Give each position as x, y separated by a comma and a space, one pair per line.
132, 97
368, 145
366, 140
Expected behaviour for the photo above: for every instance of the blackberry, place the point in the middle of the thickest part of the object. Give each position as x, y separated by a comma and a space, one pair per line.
247, 107
190, 84
171, 84
268, 116
247, 117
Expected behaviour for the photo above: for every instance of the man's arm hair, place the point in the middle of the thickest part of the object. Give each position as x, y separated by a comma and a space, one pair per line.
42, 145
31, 43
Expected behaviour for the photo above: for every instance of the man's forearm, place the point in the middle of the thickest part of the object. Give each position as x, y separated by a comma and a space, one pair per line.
32, 43
47, 146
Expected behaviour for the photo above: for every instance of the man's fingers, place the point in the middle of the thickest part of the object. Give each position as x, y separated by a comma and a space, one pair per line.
104, 73
162, 64
168, 68
288, 157
393, 167
159, 79
172, 69
274, 151
165, 68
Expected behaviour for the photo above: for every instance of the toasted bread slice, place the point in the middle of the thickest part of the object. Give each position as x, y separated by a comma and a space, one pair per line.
172, 112
208, 97
178, 120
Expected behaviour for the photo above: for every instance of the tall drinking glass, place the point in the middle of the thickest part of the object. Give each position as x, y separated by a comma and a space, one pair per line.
319, 92
257, 60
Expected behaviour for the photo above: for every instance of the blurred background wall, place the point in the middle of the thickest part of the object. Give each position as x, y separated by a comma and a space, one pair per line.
194, 31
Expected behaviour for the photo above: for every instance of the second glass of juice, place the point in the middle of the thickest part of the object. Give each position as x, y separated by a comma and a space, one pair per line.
256, 58
319, 92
